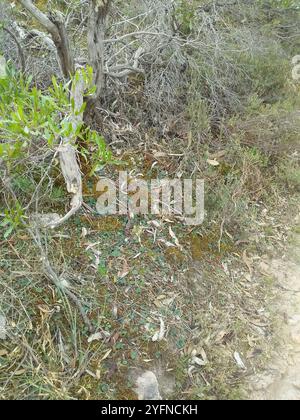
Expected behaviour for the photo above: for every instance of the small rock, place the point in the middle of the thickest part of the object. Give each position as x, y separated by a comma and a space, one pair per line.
147, 387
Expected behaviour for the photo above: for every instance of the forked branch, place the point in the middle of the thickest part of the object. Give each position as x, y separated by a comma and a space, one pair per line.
54, 24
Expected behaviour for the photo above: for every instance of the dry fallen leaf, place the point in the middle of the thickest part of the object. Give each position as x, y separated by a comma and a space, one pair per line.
84, 232
159, 335
106, 355
239, 361
203, 355
174, 237
125, 270
197, 361
167, 243
95, 337
114, 338
158, 155
19, 372
213, 162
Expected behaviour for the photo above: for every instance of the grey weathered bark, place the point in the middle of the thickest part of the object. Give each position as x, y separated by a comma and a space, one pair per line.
68, 159
54, 24
96, 36
56, 27
20, 51
67, 153
63, 47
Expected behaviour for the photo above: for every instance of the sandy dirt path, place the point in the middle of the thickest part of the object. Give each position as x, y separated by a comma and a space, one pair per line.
281, 379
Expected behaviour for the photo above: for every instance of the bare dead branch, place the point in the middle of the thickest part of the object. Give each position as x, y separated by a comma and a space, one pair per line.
126, 69
64, 51
20, 50
56, 27
137, 34
54, 278
41, 18
67, 153
45, 40
96, 33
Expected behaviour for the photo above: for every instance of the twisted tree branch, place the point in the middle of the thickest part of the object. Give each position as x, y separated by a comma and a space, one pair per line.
56, 27
21, 54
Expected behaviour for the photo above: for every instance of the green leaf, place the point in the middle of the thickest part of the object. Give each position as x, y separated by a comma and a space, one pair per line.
8, 232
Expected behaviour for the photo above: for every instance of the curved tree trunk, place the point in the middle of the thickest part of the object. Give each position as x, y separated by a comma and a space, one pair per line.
54, 24
96, 34
56, 27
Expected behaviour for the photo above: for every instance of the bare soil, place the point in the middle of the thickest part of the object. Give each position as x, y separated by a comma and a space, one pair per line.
281, 378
